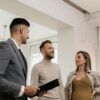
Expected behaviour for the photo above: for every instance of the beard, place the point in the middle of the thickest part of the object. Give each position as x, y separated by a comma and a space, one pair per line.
24, 41
49, 56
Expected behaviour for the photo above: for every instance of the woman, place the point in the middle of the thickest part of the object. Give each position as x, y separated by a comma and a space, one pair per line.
83, 84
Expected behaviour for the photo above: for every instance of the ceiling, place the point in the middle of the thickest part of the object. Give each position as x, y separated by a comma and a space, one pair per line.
37, 31
89, 5
91, 9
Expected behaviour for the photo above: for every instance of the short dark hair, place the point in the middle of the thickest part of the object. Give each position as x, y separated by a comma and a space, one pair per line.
43, 43
18, 21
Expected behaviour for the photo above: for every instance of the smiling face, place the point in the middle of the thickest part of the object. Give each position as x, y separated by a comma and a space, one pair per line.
48, 51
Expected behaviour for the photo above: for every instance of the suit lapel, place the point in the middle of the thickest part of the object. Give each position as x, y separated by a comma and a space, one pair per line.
18, 55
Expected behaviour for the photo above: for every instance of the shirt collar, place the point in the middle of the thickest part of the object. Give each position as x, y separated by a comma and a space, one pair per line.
46, 61
15, 43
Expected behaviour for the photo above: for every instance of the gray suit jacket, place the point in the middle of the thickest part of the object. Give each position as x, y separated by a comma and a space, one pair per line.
13, 71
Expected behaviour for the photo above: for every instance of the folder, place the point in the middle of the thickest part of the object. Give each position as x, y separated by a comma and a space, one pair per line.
48, 86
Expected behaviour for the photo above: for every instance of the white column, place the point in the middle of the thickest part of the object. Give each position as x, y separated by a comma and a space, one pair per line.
98, 50
66, 52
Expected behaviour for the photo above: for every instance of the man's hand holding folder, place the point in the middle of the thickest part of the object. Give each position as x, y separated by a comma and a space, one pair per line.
48, 86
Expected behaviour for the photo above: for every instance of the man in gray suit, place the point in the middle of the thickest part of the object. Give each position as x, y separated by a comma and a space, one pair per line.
13, 65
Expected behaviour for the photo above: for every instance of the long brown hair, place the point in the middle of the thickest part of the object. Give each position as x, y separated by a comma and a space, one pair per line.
87, 58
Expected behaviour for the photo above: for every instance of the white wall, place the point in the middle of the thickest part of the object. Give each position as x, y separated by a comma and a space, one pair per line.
66, 52
85, 38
